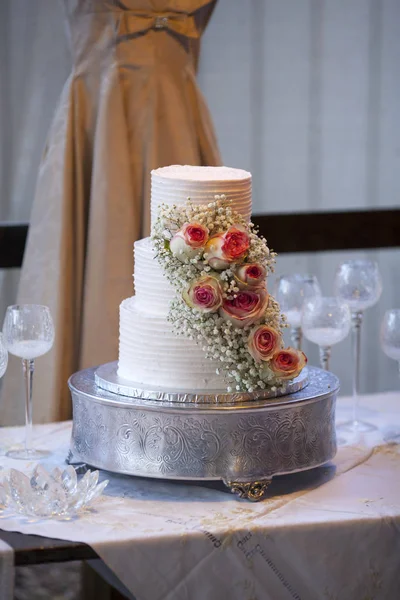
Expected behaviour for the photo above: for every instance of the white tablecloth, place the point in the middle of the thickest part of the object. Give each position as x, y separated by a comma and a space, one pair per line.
332, 533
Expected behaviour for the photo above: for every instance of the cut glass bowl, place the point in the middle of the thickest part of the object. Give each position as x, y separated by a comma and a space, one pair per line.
44, 494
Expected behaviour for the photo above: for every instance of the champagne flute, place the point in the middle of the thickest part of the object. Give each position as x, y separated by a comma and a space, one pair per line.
358, 283
28, 333
325, 321
291, 291
390, 342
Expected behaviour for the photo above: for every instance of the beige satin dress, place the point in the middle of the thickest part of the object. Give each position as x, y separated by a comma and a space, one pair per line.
131, 104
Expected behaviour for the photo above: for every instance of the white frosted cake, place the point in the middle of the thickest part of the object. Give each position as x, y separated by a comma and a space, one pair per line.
149, 351
202, 318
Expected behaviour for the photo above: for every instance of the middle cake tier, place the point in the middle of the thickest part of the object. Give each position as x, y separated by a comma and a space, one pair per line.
149, 351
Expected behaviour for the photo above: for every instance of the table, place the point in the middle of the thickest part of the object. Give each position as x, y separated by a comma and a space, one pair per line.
351, 517
36, 549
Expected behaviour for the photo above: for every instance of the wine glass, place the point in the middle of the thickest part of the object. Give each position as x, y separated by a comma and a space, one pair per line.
3, 366
291, 291
3, 357
325, 321
390, 342
28, 333
358, 283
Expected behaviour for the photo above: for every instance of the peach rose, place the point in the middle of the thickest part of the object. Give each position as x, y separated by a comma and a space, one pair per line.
250, 275
246, 308
228, 247
236, 243
287, 363
263, 342
188, 240
204, 294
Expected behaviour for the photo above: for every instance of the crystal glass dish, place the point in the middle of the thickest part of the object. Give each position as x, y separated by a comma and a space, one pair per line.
55, 494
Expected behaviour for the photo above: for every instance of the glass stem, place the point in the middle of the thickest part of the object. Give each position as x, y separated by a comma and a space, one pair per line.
324, 356
28, 367
356, 320
296, 337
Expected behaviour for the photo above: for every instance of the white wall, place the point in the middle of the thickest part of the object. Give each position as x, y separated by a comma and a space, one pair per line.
34, 63
305, 93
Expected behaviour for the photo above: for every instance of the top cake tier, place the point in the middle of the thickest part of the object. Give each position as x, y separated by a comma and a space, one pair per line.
177, 183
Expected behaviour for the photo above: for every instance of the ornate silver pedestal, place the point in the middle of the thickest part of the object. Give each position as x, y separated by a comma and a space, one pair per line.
243, 444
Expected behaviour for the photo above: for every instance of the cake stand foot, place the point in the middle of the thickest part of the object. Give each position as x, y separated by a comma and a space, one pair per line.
80, 467
253, 491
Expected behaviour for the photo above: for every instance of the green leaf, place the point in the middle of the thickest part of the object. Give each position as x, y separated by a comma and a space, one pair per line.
167, 245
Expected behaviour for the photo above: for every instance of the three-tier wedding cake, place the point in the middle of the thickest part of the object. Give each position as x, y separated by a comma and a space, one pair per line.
201, 353
201, 317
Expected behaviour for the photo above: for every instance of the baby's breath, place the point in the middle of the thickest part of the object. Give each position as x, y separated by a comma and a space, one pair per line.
221, 341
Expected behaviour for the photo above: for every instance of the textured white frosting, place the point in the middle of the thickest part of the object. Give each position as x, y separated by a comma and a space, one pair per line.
153, 290
149, 351
177, 183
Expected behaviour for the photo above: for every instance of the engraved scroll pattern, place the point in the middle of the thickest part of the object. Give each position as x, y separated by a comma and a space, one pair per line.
286, 440
152, 443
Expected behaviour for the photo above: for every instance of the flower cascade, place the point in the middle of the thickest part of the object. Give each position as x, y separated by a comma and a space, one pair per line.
218, 265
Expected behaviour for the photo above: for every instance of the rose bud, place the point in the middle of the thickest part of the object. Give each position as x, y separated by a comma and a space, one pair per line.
204, 294
287, 363
251, 275
188, 240
263, 342
214, 253
225, 248
246, 308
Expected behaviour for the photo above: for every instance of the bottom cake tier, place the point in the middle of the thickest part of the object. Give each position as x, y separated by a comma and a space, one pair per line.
150, 353
244, 445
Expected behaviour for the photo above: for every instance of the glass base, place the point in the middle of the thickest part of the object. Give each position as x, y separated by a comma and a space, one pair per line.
356, 426
392, 436
31, 454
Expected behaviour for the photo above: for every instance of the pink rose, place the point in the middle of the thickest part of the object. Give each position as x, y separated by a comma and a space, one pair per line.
195, 234
246, 308
263, 342
204, 294
188, 240
287, 364
251, 275
228, 247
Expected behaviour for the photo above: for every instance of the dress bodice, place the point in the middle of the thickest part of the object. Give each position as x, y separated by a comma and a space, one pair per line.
98, 29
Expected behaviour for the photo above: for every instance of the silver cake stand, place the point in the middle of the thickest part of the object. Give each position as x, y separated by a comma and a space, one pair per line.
241, 439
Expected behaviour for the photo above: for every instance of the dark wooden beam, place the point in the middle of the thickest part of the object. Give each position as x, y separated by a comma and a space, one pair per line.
326, 231
12, 244
285, 232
